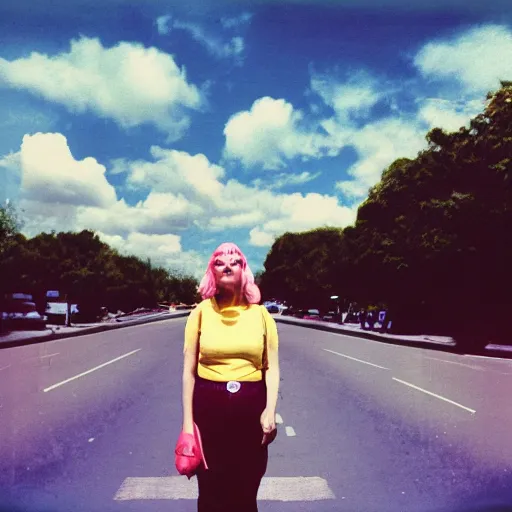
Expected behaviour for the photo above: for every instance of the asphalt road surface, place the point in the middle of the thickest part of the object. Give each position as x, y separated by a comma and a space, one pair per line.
89, 424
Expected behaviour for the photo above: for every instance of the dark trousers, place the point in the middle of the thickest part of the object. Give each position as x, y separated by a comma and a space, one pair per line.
231, 433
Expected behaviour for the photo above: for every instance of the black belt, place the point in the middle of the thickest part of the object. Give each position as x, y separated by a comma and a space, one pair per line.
233, 386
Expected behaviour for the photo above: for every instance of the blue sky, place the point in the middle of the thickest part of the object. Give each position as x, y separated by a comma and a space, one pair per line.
170, 129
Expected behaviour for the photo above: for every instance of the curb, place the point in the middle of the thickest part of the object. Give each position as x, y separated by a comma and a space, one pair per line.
336, 328
90, 330
492, 350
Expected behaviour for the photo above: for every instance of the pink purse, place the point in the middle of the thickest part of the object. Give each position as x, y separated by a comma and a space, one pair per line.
189, 453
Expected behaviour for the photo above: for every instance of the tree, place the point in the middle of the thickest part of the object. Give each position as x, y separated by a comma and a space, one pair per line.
10, 225
90, 273
301, 268
433, 239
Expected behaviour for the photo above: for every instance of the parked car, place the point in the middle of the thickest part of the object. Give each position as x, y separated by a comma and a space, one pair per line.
289, 311
330, 316
56, 312
312, 314
23, 315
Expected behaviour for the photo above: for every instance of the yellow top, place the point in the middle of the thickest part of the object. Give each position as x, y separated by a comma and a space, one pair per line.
231, 340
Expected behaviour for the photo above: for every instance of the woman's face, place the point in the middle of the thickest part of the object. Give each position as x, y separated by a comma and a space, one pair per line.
228, 271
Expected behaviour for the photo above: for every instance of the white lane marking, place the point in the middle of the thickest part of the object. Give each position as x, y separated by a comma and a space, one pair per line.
89, 371
435, 395
296, 488
5, 367
279, 419
354, 359
455, 362
290, 432
49, 355
40, 357
67, 340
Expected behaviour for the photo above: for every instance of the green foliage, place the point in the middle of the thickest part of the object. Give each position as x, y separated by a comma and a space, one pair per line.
10, 225
433, 240
89, 273
299, 267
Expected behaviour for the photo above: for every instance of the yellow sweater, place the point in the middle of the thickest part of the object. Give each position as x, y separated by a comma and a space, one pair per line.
231, 340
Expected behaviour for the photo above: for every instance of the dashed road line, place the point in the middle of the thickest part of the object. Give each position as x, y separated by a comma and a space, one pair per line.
279, 419
5, 367
295, 488
89, 371
290, 432
455, 362
40, 357
435, 395
355, 359
49, 355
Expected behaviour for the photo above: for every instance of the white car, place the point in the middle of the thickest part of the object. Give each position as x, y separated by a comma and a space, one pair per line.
24, 316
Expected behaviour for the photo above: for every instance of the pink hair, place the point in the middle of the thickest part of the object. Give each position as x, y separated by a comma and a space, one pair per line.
208, 286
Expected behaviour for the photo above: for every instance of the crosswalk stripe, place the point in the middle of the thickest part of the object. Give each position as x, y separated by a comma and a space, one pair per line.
295, 488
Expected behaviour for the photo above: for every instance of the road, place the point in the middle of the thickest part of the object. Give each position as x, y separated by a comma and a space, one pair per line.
89, 424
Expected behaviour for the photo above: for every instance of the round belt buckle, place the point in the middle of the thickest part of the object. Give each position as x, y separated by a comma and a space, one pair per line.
232, 386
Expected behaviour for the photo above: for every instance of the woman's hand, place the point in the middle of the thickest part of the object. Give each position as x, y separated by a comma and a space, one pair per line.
268, 425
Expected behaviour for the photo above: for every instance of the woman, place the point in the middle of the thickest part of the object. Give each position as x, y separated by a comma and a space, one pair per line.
230, 383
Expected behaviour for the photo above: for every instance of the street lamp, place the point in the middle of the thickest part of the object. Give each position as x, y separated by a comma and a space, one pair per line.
335, 297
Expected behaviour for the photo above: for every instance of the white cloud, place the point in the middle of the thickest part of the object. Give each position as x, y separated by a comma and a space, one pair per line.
157, 214
260, 238
141, 243
182, 191
162, 24
61, 193
477, 58
118, 166
216, 46
239, 220
40, 216
50, 174
269, 134
233, 205
10, 177
448, 115
178, 172
163, 251
236, 22
285, 180
302, 213
353, 98
378, 145
128, 83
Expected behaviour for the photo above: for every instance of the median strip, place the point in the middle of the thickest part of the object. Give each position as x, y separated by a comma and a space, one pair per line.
355, 359
435, 395
89, 371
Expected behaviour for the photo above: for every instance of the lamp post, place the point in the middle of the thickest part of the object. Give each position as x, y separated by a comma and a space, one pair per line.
335, 297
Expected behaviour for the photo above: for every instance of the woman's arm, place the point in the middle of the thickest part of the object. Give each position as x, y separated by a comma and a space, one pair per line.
190, 356
189, 380
272, 378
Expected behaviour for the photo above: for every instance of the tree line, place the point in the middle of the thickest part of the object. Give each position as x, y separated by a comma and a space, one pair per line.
84, 269
432, 242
